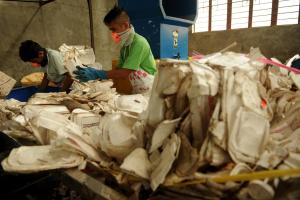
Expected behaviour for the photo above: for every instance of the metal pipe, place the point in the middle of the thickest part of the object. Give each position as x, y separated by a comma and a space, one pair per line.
90, 6
41, 2
210, 15
45, 2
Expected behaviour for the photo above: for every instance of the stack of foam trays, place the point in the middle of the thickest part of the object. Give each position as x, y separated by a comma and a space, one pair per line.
224, 126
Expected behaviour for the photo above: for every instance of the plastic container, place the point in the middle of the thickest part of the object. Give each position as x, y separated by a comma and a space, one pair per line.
24, 93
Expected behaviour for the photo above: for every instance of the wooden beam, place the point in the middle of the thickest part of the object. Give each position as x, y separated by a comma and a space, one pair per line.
274, 12
209, 15
250, 17
90, 186
229, 14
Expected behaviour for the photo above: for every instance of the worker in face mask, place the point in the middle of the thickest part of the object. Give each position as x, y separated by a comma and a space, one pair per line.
136, 61
49, 61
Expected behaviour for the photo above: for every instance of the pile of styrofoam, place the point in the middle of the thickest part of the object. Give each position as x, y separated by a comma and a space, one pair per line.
67, 122
225, 114
6, 84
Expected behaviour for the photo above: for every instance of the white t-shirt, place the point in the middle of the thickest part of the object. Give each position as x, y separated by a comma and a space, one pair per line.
55, 68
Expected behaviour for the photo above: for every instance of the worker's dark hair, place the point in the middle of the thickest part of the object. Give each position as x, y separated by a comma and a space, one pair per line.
29, 50
116, 13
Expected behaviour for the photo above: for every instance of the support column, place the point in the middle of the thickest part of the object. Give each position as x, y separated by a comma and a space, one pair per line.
105, 49
274, 12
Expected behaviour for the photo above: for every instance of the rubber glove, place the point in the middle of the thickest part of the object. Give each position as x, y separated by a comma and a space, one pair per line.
89, 73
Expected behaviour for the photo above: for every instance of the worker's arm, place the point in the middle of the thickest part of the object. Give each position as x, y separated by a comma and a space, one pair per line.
67, 82
86, 74
44, 83
118, 73
58, 63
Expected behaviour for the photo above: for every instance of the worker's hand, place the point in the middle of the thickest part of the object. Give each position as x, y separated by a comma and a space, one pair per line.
88, 73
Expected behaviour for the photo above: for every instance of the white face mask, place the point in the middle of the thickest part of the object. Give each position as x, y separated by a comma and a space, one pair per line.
126, 37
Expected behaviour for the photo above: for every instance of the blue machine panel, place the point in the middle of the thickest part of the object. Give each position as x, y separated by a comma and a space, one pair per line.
173, 42
164, 23
150, 29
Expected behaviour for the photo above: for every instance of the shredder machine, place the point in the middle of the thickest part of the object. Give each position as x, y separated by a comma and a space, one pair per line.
164, 23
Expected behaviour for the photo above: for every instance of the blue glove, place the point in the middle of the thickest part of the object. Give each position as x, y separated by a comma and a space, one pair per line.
87, 74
